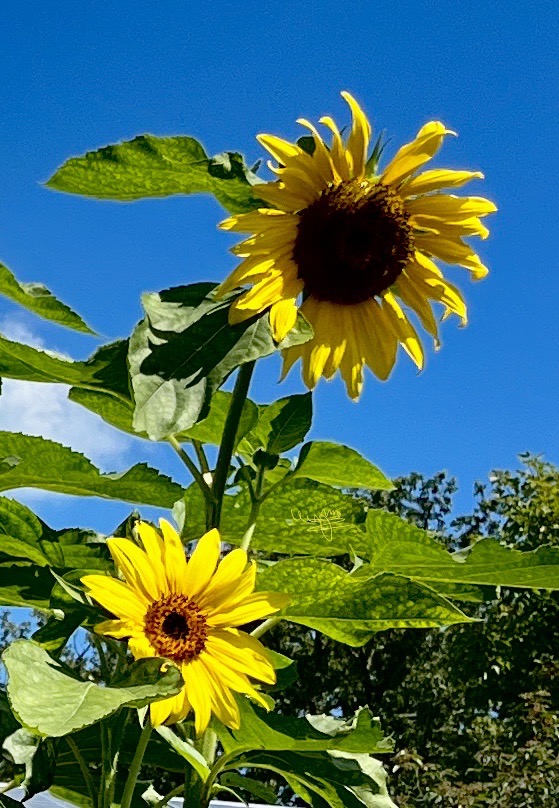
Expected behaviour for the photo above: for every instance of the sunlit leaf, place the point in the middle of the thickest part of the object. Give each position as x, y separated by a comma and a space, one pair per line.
326, 598
150, 166
281, 425
339, 465
74, 704
403, 549
38, 299
300, 518
32, 462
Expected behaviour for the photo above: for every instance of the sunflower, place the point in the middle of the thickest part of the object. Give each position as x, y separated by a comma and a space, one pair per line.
188, 612
355, 246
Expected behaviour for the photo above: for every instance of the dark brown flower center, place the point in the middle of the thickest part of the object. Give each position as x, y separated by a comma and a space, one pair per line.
176, 628
352, 242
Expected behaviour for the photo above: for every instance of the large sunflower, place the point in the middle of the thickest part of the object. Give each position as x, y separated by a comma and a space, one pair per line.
355, 246
188, 612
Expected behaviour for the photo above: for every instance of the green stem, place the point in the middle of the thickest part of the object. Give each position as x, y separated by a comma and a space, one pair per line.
192, 467
176, 792
221, 473
136, 765
83, 768
265, 626
201, 455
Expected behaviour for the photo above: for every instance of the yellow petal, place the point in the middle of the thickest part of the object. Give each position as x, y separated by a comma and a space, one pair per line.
255, 220
403, 329
449, 206
254, 607
175, 559
276, 194
412, 297
358, 141
119, 629
141, 647
321, 158
236, 681
153, 545
351, 365
223, 702
231, 651
135, 566
468, 226
277, 285
436, 288
337, 152
453, 251
116, 597
202, 563
381, 344
435, 179
413, 155
198, 690
226, 577
159, 711
179, 707
283, 317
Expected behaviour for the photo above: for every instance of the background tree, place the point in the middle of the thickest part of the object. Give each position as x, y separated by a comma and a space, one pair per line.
472, 708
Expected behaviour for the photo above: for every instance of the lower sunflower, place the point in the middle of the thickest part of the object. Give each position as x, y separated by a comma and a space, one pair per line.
189, 613
354, 246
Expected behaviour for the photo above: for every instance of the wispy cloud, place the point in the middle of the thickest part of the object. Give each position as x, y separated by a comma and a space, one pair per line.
43, 409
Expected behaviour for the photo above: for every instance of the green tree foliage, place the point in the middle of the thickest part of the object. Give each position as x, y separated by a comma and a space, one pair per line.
473, 707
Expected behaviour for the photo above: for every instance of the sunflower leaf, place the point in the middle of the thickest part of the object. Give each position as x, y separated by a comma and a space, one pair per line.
300, 518
38, 299
32, 673
281, 425
326, 598
184, 350
397, 547
150, 166
339, 465
25, 536
33, 462
105, 370
321, 757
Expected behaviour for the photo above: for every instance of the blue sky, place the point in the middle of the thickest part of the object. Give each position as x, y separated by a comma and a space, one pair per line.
78, 76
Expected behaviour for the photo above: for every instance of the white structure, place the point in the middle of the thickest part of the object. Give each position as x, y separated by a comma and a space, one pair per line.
47, 801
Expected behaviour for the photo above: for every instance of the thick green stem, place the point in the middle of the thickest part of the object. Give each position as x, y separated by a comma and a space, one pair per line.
228, 440
192, 467
136, 765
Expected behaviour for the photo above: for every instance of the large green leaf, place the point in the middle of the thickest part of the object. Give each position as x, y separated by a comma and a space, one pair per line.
317, 755
210, 429
49, 702
105, 370
300, 518
185, 349
281, 425
326, 598
25, 585
339, 465
24, 535
38, 299
150, 166
276, 732
32, 462
403, 549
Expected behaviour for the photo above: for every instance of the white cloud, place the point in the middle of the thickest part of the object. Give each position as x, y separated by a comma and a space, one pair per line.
43, 409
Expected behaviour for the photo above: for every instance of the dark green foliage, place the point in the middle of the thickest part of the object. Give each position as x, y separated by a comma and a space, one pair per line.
473, 708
